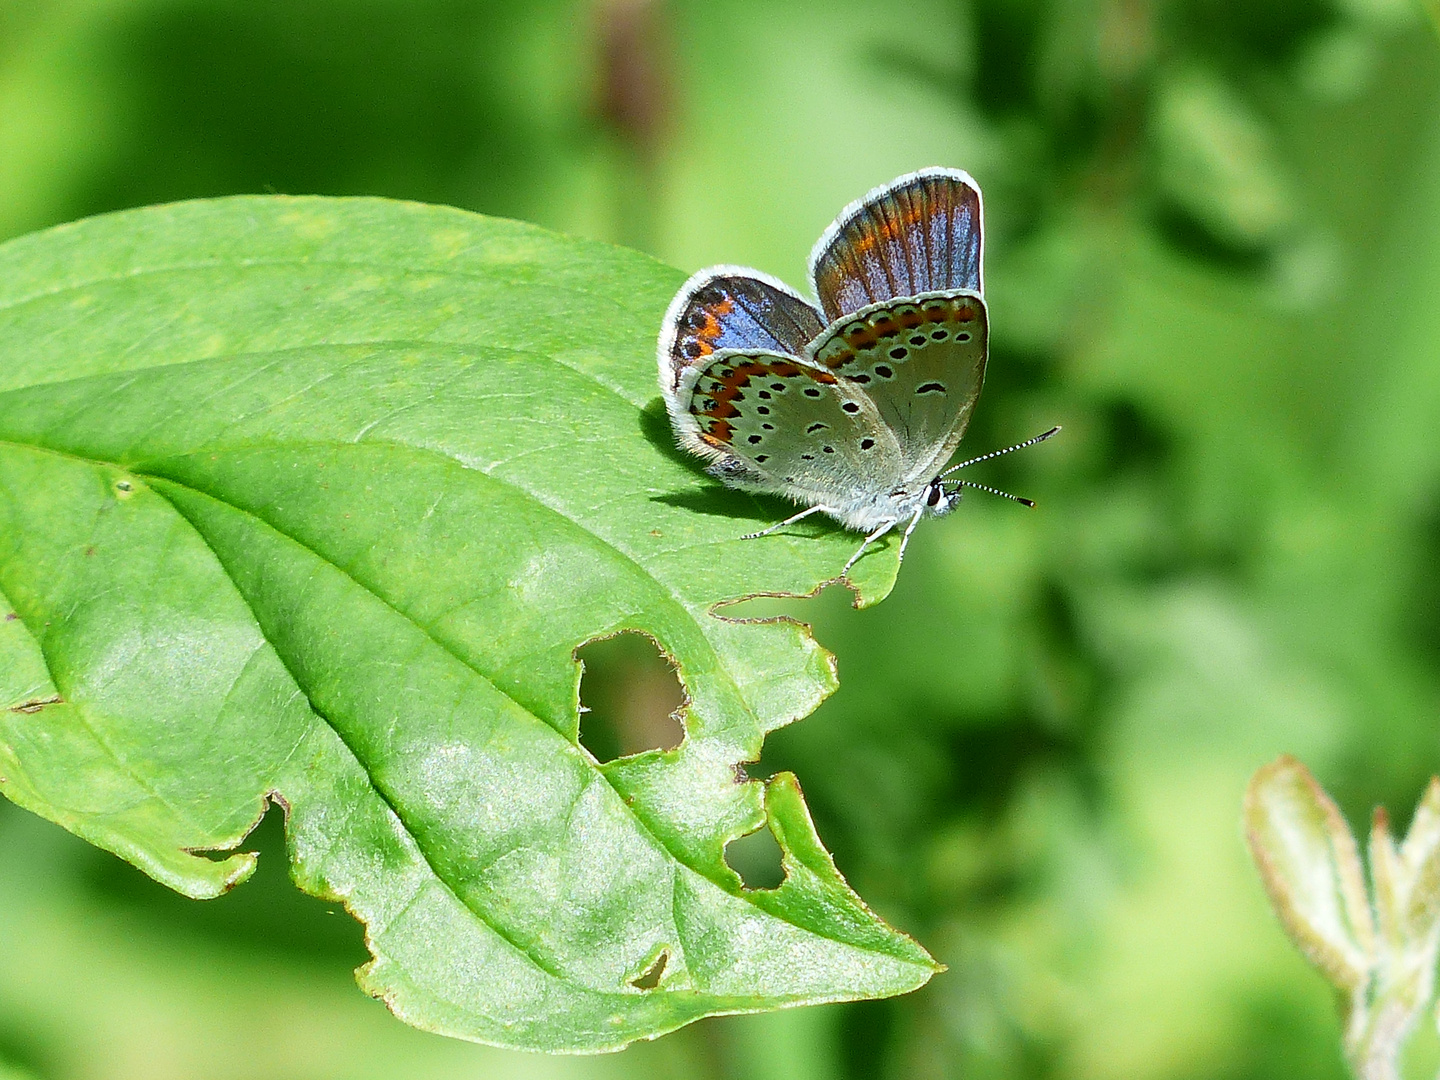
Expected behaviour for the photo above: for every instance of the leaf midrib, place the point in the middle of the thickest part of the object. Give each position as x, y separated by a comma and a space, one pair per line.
692, 611
485, 916
643, 824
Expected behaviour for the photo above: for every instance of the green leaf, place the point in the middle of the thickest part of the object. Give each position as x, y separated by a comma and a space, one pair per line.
1311, 868
313, 501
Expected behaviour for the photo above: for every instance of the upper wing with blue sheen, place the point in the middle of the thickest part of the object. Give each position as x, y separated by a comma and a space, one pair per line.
919, 234
732, 308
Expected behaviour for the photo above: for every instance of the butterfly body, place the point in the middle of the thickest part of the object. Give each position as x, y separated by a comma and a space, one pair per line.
851, 407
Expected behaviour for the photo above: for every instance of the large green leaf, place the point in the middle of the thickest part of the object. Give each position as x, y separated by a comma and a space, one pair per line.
313, 500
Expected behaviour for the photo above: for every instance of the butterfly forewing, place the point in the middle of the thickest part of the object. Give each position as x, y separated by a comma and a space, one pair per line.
921, 360
730, 308
796, 429
920, 234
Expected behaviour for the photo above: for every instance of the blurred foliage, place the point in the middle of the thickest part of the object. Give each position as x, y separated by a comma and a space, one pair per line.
1214, 252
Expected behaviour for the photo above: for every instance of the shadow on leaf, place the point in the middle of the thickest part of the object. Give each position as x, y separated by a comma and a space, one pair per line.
715, 498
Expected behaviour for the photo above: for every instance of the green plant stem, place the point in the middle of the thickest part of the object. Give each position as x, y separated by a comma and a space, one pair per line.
1377, 1030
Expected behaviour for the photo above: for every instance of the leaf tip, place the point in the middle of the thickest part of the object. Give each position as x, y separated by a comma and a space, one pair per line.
1309, 864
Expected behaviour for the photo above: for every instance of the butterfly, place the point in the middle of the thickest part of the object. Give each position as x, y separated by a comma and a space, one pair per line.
851, 407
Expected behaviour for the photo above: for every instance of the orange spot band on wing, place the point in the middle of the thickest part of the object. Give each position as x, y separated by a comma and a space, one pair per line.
710, 329
720, 435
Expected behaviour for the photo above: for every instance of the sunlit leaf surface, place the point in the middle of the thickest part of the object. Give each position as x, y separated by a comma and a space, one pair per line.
313, 500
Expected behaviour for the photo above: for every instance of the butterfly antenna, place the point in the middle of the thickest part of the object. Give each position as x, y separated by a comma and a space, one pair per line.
993, 491
998, 453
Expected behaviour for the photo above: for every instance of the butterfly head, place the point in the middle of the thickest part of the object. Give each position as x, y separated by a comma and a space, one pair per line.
938, 501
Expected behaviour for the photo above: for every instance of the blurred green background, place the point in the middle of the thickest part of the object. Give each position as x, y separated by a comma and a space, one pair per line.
1213, 255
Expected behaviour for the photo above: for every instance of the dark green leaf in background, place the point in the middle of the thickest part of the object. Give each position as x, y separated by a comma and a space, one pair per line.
314, 500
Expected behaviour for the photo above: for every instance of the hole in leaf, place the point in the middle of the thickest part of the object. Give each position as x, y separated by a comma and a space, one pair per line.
630, 697
265, 915
650, 979
757, 858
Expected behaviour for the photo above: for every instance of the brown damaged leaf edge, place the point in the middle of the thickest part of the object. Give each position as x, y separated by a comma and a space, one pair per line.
806, 630
248, 860
681, 711
788, 817
858, 602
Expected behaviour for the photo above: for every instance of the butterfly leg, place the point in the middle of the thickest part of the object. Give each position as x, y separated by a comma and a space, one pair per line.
781, 524
881, 531
905, 540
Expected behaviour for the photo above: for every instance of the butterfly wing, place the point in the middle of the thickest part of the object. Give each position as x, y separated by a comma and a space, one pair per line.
729, 307
773, 423
921, 361
918, 234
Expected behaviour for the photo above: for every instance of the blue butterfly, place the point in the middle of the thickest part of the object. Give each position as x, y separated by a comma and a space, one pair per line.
854, 407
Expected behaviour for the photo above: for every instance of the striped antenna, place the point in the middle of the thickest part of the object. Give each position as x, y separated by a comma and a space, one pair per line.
997, 453
992, 491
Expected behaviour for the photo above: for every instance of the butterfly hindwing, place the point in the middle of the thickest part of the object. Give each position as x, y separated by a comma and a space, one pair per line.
921, 361
732, 308
919, 234
776, 423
